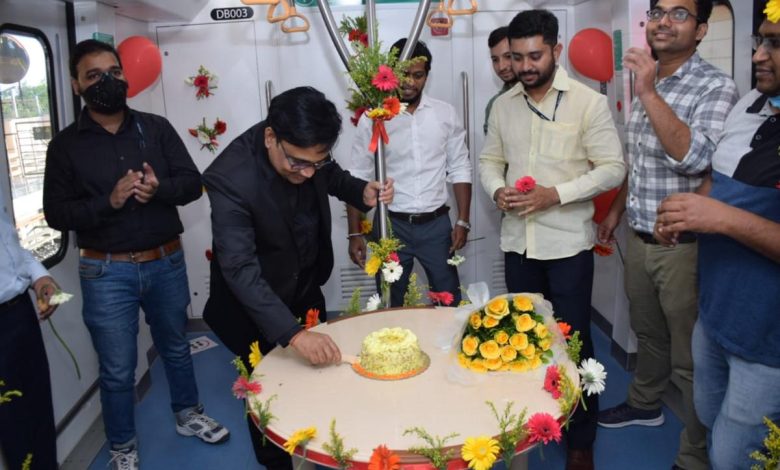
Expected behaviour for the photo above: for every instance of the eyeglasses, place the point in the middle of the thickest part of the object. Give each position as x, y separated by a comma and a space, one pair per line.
296, 164
676, 15
771, 43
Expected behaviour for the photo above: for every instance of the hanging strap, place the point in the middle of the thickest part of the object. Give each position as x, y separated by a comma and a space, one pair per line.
541, 114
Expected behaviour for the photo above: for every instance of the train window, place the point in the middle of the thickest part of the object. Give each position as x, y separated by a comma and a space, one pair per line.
29, 121
717, 47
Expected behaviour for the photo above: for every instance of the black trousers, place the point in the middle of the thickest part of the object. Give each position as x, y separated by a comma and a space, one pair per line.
567, 283
26, 422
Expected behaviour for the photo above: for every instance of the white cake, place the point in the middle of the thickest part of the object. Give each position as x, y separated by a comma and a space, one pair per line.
391, 352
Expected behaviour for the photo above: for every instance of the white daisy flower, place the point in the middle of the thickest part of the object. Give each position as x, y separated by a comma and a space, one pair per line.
373, 303
59, 297
456, 260
391, 271
592, 376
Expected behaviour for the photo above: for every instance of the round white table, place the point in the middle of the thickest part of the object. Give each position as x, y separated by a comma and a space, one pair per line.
370, 413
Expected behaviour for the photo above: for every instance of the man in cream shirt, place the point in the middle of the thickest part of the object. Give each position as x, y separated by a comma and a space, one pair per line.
561, 133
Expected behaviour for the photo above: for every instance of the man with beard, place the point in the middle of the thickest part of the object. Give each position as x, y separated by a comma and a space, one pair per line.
676, 120
115, 177
427, 150
501, 58
560, 133
737, 336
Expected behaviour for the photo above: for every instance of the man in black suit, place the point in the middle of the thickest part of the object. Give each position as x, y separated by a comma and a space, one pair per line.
271, 227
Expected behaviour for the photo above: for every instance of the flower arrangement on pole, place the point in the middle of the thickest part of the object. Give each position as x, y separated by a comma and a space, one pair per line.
207, 136
204, 81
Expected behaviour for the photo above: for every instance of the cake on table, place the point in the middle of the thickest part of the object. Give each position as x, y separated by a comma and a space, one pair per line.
391, 353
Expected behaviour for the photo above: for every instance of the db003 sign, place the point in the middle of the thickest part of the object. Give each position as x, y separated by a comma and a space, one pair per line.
232, 13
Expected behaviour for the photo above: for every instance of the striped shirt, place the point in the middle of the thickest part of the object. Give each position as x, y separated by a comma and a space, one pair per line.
701, 95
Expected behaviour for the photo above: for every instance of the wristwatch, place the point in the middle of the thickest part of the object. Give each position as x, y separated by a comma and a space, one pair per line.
463, 224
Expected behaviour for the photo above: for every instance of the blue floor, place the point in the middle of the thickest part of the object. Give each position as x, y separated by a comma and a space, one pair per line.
635, 447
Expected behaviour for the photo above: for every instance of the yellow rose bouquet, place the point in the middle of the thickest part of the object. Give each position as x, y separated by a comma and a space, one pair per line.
507, 334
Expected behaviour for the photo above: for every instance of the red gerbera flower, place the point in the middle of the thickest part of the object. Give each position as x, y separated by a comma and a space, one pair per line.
542, 427
393, 257
383, 459
525, 184
552, 381
385, 79
243, 386
312, 318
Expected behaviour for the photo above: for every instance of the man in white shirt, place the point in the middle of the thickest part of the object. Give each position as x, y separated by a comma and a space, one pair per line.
27, 420
427, 150
559, 132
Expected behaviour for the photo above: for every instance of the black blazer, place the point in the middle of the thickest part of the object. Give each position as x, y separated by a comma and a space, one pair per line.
255, 264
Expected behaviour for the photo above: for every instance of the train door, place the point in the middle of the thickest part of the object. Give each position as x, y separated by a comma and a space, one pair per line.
36, 103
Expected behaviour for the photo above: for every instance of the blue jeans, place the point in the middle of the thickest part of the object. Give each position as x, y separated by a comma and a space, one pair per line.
113, 292
732, 396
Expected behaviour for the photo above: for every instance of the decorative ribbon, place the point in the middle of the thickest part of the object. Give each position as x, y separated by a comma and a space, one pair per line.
379, 131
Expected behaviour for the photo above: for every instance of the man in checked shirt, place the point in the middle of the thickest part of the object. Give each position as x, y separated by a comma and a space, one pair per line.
676, 120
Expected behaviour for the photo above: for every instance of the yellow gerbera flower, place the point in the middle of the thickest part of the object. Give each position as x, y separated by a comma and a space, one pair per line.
489, 322
490, 350
379, 113
480, 452
508, 354
524, 323
519, 341
497, 308
501, 337
255, 356
300, 437
523, 303
366, 226
772, 10
373, 264
475, 320
469, 345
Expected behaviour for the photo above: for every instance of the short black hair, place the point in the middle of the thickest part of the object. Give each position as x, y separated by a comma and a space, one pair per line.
86, 47
703, 9
531, 23
305, 118
497, 35
420, 50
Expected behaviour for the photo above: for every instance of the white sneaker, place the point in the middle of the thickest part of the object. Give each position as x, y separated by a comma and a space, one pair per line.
195, 423
123, 459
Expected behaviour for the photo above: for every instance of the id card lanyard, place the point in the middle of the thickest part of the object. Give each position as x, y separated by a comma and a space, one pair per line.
541, 114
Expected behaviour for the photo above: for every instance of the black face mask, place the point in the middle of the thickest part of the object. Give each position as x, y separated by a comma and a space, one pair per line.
106, 96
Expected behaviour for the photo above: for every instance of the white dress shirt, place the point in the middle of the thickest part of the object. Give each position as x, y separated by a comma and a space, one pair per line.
427, 150
18, 267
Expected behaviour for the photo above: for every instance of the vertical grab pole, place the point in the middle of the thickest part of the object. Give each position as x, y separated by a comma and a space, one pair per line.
414, 34
330, 25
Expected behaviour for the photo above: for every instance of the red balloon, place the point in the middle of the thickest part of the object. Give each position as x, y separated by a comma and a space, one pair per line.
602, 203
141, 62
590, 53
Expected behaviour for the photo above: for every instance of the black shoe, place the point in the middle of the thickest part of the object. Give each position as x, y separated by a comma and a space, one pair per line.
626, 415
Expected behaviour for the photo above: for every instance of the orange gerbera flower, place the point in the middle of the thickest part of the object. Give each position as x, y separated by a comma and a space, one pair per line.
312, 318
383, 459
392, 104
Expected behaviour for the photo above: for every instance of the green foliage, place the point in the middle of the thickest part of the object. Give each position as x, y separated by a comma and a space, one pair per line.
335, 447
512, 428
413, 296
6, 396
570, 394
434, 451
353, 307
384, 247
770, 459
573, 347
27, 464
240, 367
31, 101
349, 24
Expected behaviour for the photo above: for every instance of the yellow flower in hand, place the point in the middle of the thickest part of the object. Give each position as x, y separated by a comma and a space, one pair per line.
497, 308
772, 10
480, 452
490, 350
519, 341
373, 264
524, 323
469, 345
523, 303
255, 356
300, 437
475, 320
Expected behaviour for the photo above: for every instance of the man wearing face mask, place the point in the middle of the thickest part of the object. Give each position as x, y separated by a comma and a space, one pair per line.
559, 132
501, 58
427, 150
115, 177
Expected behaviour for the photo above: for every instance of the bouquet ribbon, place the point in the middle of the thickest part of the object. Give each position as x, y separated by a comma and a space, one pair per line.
378, 131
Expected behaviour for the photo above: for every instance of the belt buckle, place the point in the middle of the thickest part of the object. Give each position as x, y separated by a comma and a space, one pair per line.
132, 256
411, 218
